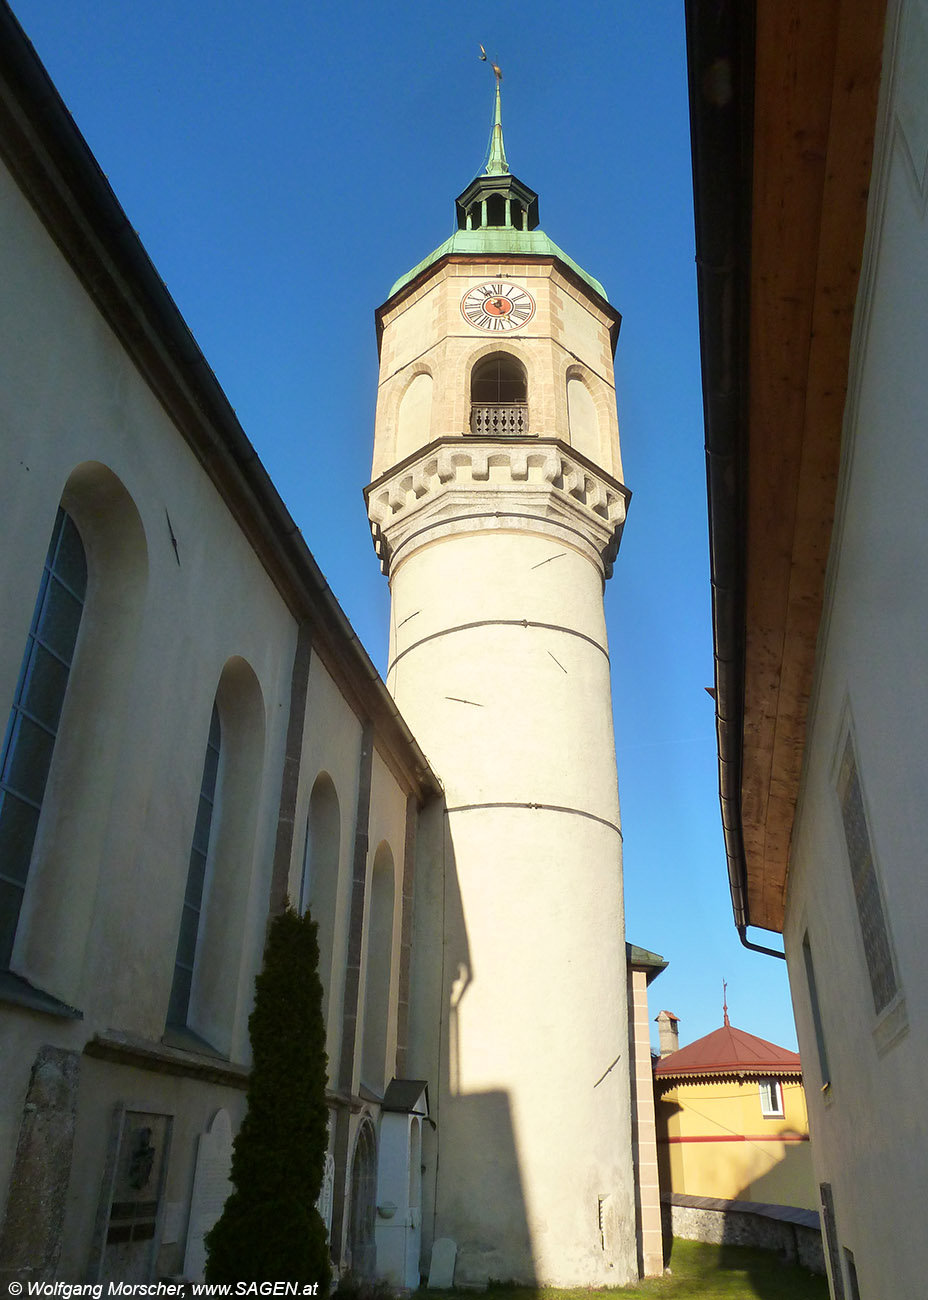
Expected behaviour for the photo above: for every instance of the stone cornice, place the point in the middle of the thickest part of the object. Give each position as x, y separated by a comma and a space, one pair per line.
458, 485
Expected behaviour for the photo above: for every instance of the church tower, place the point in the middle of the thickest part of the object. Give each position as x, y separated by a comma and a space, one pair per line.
496, 508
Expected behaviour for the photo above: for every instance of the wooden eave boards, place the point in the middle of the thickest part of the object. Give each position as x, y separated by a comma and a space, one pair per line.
817, 74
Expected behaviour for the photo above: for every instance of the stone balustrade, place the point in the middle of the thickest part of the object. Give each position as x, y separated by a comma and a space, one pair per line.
500, 420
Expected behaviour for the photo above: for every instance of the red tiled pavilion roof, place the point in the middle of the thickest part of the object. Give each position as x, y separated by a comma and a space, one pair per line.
729, 1051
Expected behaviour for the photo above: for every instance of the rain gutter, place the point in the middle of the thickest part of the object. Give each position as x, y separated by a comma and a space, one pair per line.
720, 61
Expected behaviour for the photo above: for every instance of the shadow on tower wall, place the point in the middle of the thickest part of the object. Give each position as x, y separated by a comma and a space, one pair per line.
471, 1172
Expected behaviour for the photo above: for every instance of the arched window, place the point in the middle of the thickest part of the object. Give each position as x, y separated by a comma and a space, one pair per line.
378, 969
583, 421
185, 959
68, 856
205, 988
33, 725
499, 378
496, 210
414, 416
319, 892
362, 1205
498, 394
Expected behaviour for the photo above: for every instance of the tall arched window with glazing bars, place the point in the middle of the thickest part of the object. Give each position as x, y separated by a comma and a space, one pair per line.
185, 958
34, 719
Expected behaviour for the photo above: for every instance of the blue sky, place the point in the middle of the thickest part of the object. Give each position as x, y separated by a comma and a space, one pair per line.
284, 163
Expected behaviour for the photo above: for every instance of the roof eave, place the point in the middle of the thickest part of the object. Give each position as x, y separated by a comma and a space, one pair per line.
783, 103
720, 67
729, 1072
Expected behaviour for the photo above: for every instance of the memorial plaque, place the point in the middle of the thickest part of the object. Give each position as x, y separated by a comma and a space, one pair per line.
127, 1233
211, 1188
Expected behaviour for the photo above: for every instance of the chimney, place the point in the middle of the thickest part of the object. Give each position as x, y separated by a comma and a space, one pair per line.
667, 1024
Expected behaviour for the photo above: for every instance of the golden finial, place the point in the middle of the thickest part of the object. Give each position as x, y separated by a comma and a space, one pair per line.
495, 66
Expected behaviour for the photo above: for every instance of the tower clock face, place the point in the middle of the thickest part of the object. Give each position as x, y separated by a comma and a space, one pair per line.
497, 307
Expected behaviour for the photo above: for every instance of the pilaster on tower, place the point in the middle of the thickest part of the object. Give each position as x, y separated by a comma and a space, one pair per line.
496, 507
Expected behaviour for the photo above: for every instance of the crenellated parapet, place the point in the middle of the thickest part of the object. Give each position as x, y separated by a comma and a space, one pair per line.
467, 485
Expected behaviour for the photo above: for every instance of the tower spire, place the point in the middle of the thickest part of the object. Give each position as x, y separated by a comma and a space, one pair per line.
497, 213
496, 163
496, 159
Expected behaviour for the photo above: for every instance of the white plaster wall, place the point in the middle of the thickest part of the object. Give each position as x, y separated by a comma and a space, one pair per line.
533, 1028
432, 946
331, 743
122, 795
69, 395
387, 824
506, 711
869, 1131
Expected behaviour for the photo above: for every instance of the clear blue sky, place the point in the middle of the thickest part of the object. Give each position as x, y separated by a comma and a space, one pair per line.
285, 162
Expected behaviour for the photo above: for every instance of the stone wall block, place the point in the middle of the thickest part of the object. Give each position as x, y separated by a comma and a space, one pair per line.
445, 465
30, 1241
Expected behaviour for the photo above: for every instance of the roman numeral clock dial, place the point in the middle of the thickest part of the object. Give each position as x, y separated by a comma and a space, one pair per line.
497, 307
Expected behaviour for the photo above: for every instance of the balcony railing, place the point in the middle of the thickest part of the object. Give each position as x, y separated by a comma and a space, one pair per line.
499, 420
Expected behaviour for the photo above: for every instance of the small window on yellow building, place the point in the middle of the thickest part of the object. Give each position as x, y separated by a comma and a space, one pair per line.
771, 1098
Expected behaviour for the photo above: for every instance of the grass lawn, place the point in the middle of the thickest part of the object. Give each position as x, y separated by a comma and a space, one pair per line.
699, 1271
729, 1273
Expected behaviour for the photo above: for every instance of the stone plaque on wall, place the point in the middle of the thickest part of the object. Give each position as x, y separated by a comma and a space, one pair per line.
128, 1220
211, 1188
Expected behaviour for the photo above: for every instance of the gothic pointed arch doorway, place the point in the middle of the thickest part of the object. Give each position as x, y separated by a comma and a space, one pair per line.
362, 1205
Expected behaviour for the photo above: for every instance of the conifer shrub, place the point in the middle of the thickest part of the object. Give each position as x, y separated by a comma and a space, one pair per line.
270, 1229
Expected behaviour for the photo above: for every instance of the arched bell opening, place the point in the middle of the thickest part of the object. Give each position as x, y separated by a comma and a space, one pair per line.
499, 397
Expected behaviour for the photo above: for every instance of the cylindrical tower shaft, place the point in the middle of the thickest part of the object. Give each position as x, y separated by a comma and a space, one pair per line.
500, 665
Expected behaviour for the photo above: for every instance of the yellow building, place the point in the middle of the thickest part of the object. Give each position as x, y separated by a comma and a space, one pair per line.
731, 1119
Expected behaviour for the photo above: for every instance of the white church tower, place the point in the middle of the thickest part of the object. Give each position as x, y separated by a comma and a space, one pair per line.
496, 507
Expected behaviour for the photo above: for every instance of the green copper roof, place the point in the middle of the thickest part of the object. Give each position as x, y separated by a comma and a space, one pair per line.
499, 239
497, 213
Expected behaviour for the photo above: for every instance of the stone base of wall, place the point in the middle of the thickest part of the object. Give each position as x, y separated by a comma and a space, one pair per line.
794, 1233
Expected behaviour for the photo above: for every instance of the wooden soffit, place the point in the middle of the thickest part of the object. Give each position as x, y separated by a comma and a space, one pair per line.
816, 83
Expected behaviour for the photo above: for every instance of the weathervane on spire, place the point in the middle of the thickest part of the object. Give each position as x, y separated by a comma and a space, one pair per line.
495, 66
725, 1001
